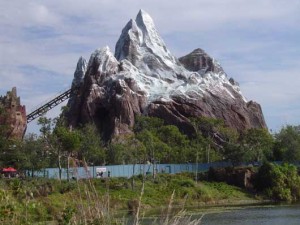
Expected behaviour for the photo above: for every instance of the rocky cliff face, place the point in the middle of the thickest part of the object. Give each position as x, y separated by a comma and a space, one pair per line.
13, 115
143, 77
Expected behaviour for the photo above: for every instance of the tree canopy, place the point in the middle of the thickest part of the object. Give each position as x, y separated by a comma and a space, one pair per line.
152, 140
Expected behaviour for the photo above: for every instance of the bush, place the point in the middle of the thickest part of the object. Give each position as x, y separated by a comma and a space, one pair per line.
66, 186
118, 183
280, 182
183, 182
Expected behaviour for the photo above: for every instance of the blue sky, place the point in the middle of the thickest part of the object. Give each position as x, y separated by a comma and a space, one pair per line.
256, 42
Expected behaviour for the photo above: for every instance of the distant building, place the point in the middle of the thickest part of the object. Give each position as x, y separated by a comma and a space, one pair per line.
14, 114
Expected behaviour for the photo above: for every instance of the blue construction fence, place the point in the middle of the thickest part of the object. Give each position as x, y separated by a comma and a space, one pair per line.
130, 170
126, 170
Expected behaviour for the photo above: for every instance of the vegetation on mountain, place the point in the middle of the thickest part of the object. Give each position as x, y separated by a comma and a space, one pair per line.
151, 141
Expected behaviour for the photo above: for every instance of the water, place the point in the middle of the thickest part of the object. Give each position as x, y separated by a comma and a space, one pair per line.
251, 215
267, 215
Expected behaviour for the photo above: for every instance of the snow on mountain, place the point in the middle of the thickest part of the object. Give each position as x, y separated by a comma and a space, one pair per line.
79, 72
144, 78
147, 59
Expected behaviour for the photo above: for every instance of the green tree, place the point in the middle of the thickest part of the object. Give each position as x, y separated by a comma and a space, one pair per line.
135, 152
10, 154
115, 153
146, 130
198, 149
287, 145
232, 150
31, 154
178, 143
69, 141
215, 136
208, 127
46, 126
147, 123
156, 149
91, 146
258, 144
280, 182
59, 142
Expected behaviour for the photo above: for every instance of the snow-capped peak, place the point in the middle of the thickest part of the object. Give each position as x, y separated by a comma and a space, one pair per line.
144, 18
79, 72
143, 56
149, 34
141, 44
145, 78
105, 61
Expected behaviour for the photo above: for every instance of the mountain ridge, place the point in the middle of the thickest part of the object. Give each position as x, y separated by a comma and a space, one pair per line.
143, 77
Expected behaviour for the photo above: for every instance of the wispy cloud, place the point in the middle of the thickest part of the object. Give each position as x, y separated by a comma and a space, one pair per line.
255, 41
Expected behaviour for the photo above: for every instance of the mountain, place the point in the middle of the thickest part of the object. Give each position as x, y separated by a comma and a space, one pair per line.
143, 77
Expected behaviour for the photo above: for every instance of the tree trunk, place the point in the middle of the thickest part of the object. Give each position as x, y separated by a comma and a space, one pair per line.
59, 166
68, 167
132, 180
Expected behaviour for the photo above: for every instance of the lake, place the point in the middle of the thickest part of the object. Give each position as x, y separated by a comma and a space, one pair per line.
264, 215
250, 215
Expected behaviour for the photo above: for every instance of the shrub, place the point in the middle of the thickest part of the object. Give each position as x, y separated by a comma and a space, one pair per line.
66, 186
183, 182
280, 182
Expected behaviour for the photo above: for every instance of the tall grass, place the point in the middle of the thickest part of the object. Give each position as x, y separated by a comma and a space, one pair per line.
95, 209
101, 201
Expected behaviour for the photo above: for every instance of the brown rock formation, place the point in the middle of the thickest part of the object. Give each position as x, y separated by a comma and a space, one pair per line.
14, 115
145, 78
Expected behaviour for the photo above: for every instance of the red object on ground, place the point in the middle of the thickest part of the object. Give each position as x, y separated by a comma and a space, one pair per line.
9, 169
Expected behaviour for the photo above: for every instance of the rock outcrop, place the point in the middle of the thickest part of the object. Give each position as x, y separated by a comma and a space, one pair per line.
13, 115
143, 77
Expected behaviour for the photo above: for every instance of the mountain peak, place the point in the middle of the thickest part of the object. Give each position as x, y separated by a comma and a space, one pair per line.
79, 72
143, 77
102, 60
142, 46
143, 19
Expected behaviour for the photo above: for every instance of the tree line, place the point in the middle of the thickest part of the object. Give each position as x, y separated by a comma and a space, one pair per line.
152, 141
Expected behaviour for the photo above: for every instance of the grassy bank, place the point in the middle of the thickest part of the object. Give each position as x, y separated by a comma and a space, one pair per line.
95, 201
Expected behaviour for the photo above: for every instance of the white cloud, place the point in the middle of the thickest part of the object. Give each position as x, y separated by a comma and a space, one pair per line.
255, 41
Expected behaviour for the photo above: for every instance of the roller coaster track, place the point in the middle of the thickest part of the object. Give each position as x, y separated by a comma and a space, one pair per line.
51, 104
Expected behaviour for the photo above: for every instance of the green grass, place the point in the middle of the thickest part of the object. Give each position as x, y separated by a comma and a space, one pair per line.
29, 201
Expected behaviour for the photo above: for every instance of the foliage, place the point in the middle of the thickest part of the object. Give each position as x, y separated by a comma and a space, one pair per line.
218, 140
156, 149
152, 141
287, 144
32, 155
176, 141
85, 201
147, 123
69, 139
127, 150
258, 144
91, 146
46, 126
280, 182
